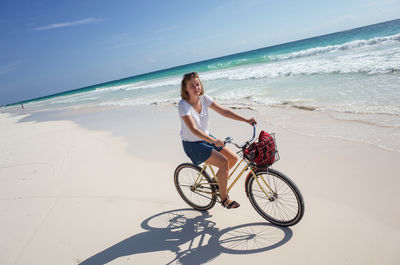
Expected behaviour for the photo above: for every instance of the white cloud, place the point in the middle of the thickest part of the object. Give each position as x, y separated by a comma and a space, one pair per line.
151, 60
165, 29
9, 67
69, 24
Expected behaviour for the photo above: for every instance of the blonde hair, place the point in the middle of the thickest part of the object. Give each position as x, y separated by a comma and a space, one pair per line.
186, 78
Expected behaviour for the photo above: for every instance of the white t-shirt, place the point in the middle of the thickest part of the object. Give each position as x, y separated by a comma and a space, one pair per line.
201, 120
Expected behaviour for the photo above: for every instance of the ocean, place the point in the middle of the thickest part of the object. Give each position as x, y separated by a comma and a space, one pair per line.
351, 75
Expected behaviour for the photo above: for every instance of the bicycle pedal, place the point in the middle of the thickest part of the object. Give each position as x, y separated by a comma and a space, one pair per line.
215, 183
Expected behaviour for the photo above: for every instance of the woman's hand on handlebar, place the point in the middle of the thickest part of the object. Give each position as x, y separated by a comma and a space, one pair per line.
218, 143
251, 121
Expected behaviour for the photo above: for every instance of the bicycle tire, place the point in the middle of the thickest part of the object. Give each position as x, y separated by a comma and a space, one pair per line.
201, 197
285, 206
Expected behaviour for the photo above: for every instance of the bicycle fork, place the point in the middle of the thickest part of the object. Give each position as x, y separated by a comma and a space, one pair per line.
252, 173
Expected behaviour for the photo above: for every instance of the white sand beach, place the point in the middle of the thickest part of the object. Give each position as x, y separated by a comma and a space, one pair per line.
96, 187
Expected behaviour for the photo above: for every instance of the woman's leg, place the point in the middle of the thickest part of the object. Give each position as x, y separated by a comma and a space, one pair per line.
230, 155
219, 160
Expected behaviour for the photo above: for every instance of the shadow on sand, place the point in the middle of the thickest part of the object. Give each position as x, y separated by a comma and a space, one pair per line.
194, 239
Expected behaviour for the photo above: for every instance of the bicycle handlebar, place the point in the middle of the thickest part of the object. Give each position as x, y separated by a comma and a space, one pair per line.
229, 140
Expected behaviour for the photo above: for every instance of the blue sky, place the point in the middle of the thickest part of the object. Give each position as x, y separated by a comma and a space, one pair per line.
48, 47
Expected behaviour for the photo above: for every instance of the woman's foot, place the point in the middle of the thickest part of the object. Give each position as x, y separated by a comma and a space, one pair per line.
230, 204
216, 183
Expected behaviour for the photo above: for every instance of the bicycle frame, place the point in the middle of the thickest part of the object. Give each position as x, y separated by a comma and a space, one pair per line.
239, 175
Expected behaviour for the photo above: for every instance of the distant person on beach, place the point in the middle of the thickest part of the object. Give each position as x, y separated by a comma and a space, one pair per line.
198, 144
22, 105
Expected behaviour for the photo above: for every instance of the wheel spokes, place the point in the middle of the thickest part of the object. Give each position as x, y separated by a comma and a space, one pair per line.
282, 204
194, 188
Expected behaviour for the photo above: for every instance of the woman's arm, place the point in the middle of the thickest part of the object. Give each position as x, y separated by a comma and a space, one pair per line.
230, 114
199, 133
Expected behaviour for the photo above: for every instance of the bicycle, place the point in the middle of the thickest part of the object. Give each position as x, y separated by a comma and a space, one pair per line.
271, 193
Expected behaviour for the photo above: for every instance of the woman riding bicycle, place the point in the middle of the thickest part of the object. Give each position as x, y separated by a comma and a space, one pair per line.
198, 144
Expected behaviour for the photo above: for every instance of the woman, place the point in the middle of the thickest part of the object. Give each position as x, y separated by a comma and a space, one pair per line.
198, 144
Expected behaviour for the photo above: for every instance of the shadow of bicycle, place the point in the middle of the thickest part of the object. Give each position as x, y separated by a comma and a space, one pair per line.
194, 239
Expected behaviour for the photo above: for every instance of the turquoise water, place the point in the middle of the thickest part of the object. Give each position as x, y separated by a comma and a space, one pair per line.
352, 75
366, 53
303, 71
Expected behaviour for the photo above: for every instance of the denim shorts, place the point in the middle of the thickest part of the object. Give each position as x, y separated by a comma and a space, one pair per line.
199, 151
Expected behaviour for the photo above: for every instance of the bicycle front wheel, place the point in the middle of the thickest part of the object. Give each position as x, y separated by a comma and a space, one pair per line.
275, 197
194, 186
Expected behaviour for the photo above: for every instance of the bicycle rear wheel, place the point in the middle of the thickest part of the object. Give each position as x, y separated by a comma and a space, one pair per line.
194, 187
275, 197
